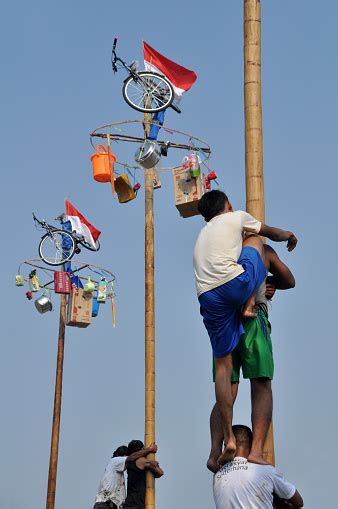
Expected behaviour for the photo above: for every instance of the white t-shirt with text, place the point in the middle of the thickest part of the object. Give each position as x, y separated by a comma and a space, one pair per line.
243, 485
112, 486
218, 248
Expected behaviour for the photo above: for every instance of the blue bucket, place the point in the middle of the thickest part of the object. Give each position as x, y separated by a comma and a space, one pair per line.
95, 308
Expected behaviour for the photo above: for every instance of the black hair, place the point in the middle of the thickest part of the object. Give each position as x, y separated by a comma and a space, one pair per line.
212, 203
243, 435
134, 446
121, 451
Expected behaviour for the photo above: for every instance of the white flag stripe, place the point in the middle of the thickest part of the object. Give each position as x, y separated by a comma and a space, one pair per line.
81, 229
152, 68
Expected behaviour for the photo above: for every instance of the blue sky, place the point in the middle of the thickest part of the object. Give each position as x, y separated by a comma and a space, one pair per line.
56, 87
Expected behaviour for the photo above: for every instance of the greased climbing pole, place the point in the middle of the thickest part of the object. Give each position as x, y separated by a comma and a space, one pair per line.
254, 133
149, 432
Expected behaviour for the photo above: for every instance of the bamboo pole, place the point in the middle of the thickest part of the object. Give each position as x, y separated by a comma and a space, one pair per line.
149, 332
254, 178
54, 448
149, 434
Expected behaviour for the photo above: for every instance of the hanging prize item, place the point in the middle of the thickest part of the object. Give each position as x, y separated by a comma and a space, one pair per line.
192, 165
187, 192
123, 189
112, 303
62, 283
19, 280
34, 284
43, 303
148, 155
89, 287
79, 309
212, 175
156, 180
103, 164
29, 295
95, 307
136, 187
102, 291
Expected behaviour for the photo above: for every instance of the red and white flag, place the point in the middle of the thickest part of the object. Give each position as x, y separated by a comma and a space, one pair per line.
182, 79
80, 225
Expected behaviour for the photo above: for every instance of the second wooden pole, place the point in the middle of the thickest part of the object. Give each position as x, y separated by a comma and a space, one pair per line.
254, 178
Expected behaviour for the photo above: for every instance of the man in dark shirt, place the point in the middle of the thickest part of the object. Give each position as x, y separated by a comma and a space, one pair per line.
136, 470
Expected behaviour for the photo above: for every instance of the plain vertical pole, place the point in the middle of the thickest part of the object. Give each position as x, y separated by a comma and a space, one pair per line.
149, 331
54, 448
254, 178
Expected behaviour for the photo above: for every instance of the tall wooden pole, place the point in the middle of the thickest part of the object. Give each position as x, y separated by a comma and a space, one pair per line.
149, 434
254, 133
54, 448
149, 331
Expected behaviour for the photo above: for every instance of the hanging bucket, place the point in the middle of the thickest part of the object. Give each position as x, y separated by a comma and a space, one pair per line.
123, 189
100, 161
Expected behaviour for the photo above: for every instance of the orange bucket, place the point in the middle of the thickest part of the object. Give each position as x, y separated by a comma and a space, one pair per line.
103, 164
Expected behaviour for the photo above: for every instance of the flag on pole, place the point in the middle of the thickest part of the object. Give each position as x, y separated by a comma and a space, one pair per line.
81, 225
182, 79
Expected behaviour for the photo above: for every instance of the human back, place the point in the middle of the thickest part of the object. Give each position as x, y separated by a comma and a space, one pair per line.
243, 485
218, 248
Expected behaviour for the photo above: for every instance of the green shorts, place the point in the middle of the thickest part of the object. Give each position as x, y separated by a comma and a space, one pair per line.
254, 351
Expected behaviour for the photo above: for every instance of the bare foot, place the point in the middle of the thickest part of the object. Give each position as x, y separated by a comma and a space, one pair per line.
250, 312
212, 465
228, 453
257, 458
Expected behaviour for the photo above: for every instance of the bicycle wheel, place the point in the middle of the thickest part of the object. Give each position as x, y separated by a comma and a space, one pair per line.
150, 89
57, 247
89, 246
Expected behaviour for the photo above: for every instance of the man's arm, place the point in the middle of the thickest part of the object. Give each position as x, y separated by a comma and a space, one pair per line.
278, 235
282, 277
296, 500
293, 503
153, 466
142, 453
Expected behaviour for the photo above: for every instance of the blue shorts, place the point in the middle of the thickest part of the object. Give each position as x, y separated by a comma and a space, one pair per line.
221, 307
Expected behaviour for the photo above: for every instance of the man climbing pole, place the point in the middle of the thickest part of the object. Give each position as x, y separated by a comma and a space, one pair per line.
254, 355
228, 272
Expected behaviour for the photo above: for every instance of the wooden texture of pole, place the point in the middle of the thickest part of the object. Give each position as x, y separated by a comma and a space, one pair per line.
254, 178
54, 448
149, 331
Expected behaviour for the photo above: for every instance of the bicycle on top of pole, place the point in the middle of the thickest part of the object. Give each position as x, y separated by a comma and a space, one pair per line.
145, 91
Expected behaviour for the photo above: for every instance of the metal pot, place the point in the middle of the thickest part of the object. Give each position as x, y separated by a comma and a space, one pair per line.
43, 304
148, 155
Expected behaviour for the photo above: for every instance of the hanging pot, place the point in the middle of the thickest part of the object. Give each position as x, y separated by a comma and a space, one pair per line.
148, 155
43, 304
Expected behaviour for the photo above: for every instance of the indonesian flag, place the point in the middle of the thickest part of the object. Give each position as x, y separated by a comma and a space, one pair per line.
80, 225
182, 79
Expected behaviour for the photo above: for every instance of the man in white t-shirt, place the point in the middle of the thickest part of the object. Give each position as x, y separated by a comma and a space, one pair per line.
228, 271
112, 491
243, 485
